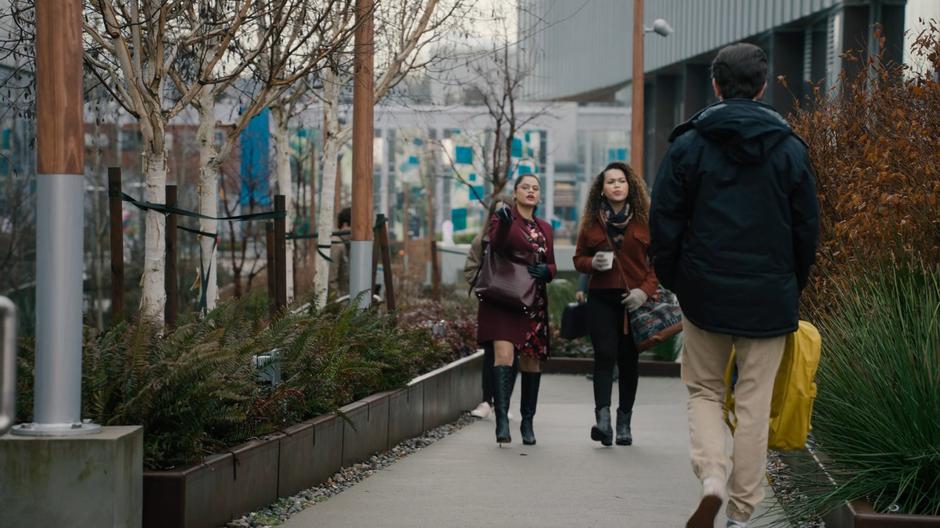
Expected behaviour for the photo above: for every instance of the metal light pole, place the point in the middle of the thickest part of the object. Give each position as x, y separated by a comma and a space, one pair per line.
360, 248
7, 364
662, 28
636, 122
60, 221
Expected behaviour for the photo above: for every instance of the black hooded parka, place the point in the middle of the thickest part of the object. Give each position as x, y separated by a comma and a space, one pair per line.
734, 220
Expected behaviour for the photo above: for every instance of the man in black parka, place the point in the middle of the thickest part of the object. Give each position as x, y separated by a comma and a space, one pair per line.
734, 225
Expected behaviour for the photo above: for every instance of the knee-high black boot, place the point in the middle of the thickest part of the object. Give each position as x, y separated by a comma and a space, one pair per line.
530, 399
505, 379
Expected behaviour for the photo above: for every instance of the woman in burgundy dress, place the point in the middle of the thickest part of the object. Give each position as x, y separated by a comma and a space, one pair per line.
511, 331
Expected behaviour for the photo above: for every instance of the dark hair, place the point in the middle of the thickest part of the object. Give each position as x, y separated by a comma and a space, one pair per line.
637, 196
344, 216
527, 175
740, 70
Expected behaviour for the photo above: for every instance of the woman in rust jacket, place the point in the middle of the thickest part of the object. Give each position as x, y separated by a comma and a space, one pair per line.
516, 232
611, 247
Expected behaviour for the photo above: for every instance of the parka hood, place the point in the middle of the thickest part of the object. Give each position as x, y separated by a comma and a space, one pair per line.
746, 131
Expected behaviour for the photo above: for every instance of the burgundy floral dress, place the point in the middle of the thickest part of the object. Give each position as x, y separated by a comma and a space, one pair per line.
536, 336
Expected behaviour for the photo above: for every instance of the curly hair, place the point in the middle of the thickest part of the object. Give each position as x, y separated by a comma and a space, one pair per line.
637, 196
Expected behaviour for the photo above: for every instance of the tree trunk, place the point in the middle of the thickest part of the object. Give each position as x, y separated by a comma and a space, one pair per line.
208, 196
153, 291
328, 184
282, 165
98, 212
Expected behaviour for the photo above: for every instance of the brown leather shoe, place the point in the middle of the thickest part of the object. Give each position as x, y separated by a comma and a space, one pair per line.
704, 516
712, 498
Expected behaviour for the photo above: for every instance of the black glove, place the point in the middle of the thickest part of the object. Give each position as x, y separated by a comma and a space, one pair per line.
504, 214
540, 272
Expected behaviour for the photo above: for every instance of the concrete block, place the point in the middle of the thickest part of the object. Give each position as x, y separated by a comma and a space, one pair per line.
93, 481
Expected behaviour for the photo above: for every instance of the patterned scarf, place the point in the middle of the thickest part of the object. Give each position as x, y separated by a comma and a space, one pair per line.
615, 223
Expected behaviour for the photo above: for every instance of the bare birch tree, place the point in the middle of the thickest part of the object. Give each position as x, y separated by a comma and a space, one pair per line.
282, 45
405, 29
132, 47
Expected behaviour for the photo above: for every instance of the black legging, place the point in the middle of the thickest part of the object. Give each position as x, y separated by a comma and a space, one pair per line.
489, 359
605, 322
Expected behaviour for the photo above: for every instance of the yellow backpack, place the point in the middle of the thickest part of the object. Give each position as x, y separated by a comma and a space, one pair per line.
791, 408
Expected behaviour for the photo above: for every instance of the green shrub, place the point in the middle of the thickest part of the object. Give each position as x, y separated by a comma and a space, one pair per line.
669, 349
876, 414
196, 391
560, 293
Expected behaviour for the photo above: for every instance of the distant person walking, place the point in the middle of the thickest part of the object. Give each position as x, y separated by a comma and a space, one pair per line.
339, 254
735, 224
612, 246
515, 233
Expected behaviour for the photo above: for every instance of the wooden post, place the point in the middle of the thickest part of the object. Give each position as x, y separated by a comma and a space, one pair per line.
170, 277
360, 245
117, 244
60, 220
636, 126
280, 250
272, 276
432, 237
311, 244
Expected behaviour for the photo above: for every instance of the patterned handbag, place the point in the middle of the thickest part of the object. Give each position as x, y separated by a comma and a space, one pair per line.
656, 320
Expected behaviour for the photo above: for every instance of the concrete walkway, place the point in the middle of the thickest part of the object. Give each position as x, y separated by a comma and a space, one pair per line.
565, 481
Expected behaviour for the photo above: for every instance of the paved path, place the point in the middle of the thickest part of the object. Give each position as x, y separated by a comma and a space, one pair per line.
564, 481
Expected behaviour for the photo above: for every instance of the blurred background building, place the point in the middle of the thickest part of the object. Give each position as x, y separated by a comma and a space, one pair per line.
584, 50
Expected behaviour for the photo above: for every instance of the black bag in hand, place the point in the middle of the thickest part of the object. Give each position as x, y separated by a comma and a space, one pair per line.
574, 321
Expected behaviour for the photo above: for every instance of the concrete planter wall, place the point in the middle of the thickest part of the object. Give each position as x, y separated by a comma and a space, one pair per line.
248, 477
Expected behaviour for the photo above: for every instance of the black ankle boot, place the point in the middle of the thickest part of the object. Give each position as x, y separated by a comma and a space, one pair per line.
530, 398
624, 436
602, 432
505, 379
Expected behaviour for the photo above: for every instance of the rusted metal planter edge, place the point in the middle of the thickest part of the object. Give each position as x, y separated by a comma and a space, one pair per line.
247, 477
857, 514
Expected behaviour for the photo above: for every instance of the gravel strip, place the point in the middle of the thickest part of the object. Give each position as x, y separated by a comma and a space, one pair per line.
345, 478
780, 475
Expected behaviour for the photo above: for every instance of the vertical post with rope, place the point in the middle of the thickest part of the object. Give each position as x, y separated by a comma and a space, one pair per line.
272, 276
311, 246
170, 277
363, 142
60, 222
115, 212
280, 251
636, 124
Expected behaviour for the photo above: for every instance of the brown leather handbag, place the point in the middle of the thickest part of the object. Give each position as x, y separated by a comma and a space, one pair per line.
505, 281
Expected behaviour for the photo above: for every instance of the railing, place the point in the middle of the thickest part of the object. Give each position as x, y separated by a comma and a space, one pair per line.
8, 365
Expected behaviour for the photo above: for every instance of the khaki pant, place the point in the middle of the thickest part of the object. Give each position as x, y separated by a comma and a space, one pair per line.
704, 357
